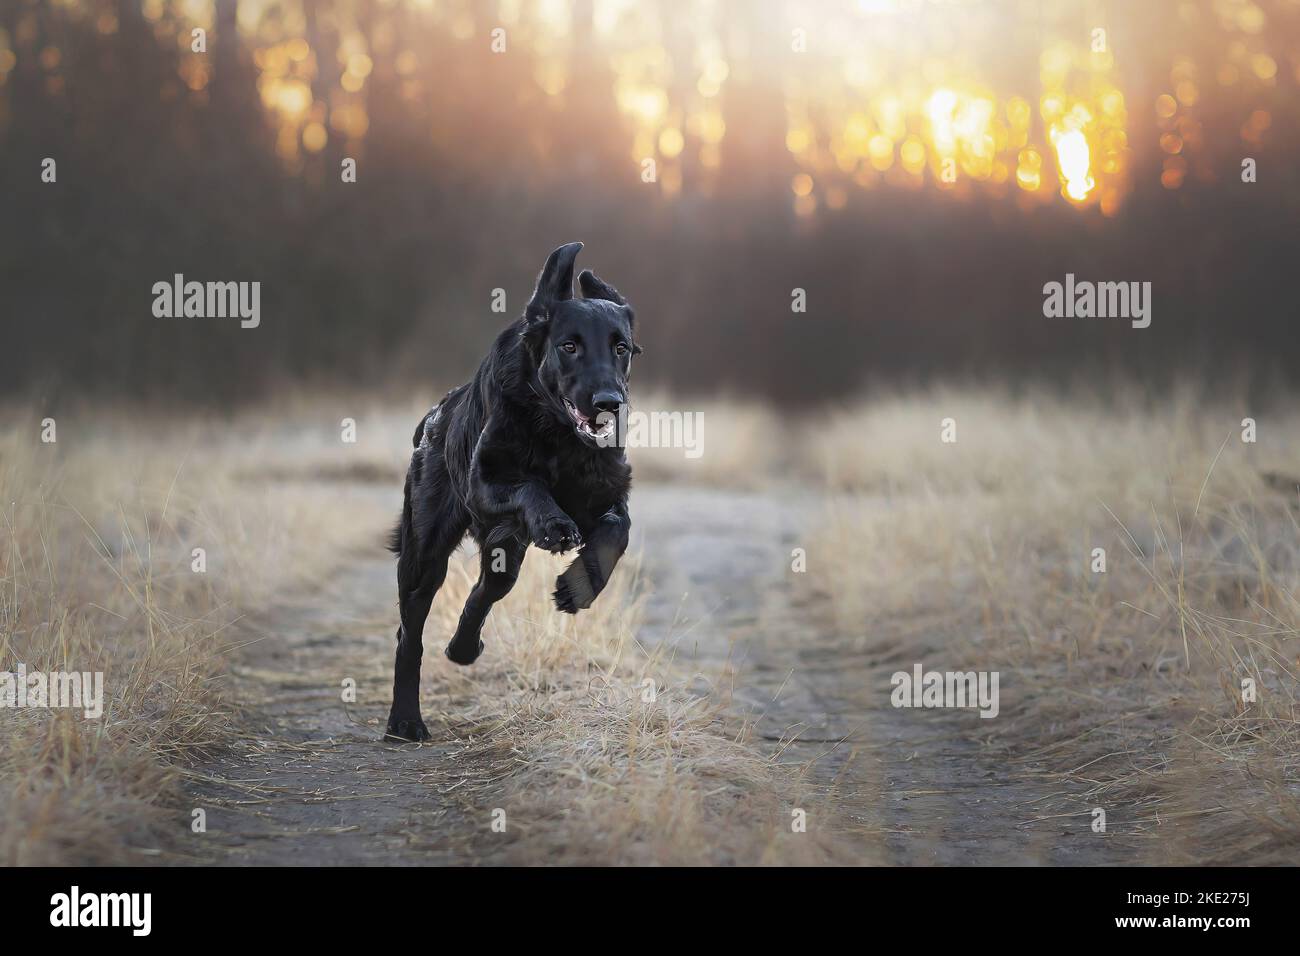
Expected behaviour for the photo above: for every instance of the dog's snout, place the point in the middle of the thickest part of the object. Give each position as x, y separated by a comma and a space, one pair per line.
607, 401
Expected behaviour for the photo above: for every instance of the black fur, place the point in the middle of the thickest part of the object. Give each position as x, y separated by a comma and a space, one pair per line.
514, 458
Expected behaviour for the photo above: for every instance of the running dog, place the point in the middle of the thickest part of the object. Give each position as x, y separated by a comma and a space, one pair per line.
526, 453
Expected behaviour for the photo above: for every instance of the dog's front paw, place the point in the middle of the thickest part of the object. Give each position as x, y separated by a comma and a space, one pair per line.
406, 729
564, 598
557, 534
573, 589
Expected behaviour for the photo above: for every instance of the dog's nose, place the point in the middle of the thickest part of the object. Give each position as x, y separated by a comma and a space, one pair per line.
607, 401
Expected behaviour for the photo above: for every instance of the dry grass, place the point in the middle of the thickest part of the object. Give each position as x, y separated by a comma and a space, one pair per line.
742, 444
96, 574
601, 749
556, 723
593, 743
1122, 689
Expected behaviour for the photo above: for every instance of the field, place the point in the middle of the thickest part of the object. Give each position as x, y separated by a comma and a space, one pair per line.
729, 701
1122, 689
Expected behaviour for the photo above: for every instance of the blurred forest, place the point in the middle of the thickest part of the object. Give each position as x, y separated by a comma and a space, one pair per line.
472, 165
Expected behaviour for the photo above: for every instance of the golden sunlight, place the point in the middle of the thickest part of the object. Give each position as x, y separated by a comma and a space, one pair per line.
964, 98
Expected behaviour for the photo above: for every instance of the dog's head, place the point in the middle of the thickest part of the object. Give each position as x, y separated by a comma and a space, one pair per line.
582, 348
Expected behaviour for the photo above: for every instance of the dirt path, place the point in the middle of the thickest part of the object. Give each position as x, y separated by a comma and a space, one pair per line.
313, 783
914, 786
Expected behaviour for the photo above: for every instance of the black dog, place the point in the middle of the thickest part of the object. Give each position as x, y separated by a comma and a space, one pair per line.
526, 452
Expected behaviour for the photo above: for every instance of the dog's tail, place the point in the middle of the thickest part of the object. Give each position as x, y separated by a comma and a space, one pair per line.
397, 537
419, 429
425, 428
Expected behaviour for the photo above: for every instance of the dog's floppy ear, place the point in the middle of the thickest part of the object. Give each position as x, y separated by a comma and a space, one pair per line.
594, 287
555, 284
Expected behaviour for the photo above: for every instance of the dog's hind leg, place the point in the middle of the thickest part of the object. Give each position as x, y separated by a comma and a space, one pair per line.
418, 583
498, 570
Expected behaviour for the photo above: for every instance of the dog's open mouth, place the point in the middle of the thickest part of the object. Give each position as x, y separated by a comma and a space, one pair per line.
583, 423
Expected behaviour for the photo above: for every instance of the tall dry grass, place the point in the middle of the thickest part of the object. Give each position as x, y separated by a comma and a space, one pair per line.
96, 575
1122, 689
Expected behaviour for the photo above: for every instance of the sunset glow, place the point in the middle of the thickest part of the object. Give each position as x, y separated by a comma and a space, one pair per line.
964, 98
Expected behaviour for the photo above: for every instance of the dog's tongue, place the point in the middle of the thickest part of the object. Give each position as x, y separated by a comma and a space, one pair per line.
577, 415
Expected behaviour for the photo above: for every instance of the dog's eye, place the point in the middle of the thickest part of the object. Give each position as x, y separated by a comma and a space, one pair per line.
570, 347
620, 349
